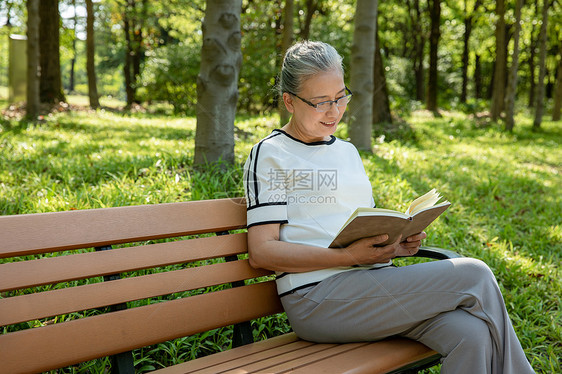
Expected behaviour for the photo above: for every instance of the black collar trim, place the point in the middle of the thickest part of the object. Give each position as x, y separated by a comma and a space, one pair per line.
322, 142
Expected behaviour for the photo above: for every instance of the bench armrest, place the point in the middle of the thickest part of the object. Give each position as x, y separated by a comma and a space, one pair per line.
436, 253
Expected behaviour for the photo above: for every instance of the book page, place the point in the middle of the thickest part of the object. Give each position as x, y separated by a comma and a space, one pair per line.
423, 202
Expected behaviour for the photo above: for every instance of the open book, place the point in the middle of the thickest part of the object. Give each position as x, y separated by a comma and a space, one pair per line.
366, 222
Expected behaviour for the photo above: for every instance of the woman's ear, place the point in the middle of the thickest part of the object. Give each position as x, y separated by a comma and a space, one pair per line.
288, 100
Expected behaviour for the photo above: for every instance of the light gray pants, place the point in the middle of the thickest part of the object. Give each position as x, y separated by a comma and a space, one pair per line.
453, 306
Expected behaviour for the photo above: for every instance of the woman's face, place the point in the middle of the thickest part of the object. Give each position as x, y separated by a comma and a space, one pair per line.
306, 123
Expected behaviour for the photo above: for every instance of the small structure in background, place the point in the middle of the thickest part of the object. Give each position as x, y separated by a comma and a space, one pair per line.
17, 69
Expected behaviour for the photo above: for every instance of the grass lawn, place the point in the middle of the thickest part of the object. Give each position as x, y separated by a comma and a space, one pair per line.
505, 191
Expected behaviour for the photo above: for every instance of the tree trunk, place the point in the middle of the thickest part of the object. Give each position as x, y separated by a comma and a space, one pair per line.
90, 56
558, 92
217, 83
381, 104
8, 16
127, 66
50, 86
138, 42
435, 13
532, 79
532, 54
288, 36
539, 103
311, 6
512, 81
498, 92
465, 51
477, 77
419, 44
550, 80
490, 85
73, 60
32, 106
466, 48
508, 35
361, 74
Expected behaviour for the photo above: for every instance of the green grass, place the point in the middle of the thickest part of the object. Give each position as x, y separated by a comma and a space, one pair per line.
84, 101
505, 190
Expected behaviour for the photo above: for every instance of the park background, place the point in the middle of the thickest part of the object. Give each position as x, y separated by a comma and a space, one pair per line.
441, 104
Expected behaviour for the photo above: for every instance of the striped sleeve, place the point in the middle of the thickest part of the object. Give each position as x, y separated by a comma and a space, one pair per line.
265, 187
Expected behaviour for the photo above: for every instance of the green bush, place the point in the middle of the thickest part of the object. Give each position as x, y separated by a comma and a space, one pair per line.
170, 75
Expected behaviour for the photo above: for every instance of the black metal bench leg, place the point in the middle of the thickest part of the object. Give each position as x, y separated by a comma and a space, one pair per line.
242, 334
121, 363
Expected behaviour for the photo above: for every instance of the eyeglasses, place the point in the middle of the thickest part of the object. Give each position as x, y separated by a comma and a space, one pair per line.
324, 106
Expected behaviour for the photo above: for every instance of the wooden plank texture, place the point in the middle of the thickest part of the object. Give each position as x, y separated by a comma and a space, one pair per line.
28, 234
387, 355
264, 359
25, 274
252, 351
84, 339
288, 360
63, 301
302, 357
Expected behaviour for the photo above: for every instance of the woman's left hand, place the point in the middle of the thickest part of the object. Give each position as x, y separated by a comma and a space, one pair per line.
411, 245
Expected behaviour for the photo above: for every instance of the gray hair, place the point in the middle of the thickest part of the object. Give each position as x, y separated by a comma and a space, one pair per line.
304, 60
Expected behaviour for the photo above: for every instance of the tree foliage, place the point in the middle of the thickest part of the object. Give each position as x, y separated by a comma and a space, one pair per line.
171, 39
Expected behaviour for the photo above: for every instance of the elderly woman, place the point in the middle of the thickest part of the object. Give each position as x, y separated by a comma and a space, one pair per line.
302, 184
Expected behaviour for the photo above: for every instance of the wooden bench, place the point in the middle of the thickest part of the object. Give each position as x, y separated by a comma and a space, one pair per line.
61, 271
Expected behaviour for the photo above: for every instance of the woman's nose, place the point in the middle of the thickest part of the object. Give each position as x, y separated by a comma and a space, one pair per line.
333, 109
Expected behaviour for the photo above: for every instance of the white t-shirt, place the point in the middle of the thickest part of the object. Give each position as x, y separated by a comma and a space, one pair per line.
310, 189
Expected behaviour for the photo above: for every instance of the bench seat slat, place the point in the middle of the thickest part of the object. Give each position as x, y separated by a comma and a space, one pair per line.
386, 355
25, 274
250, 351
60, 231
63, 301
289, 360
84, 339
263, 359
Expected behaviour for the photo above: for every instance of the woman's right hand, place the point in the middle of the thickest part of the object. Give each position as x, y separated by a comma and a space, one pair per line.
367, 252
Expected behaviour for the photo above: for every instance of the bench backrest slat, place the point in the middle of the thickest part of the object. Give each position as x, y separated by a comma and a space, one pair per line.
28, 234
51, 270
68, 300
87, 338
